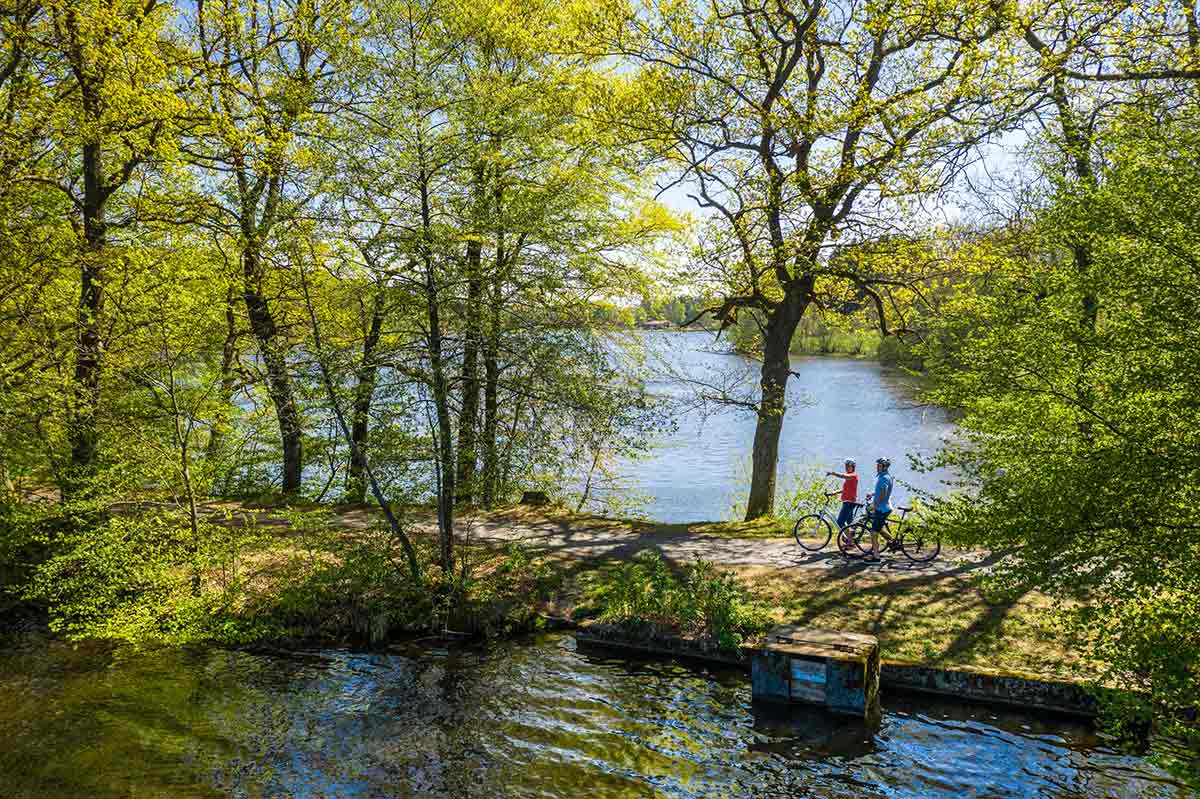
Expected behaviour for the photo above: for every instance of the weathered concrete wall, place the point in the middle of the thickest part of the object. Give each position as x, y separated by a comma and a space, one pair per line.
993, 687
651, 643
1027, 692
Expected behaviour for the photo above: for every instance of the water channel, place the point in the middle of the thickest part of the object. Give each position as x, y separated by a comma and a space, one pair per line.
526, 718
837, 408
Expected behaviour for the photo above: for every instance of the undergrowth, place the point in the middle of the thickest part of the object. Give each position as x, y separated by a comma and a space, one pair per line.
700, 602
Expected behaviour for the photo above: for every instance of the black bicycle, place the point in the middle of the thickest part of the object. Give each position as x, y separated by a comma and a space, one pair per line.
812, 532
855, 539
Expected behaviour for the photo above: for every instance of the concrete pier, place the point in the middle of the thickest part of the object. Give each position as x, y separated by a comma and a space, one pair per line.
828, 668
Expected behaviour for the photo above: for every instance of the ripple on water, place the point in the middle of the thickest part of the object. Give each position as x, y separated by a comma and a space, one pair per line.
526, 719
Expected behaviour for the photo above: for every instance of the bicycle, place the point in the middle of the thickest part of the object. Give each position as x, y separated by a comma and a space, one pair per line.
820, 525
857, 536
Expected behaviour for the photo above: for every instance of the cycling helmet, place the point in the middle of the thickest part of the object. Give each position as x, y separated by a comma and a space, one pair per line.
850, 462
885, 462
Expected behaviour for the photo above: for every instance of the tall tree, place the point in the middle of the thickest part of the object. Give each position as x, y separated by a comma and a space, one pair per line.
794, 127
1097, 513
268, 76
109, 63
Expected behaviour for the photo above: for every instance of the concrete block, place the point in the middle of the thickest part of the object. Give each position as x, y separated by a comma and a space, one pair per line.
835, 670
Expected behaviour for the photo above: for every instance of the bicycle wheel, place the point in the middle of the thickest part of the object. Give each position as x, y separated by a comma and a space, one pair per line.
812, 532
854, 540
920, 548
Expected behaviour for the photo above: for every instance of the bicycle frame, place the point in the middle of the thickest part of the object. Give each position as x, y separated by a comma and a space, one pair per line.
894, 539
825, 513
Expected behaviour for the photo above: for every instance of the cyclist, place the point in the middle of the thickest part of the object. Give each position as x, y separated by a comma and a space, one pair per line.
849, 480
883, 503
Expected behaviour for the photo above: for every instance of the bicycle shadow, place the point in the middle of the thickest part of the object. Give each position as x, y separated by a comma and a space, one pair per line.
840, 564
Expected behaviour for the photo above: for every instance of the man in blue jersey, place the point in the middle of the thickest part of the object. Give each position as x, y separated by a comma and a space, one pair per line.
882, 502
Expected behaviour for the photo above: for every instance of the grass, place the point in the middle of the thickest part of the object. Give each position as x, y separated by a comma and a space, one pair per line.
940, 618
344, 580
925, 619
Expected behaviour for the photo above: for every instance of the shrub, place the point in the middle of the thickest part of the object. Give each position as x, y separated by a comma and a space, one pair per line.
895, 353
702, 602
141, 577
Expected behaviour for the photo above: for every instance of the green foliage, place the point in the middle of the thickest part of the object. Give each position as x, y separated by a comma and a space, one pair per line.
1072, 358
799, 492
328, 586
504, 594
702, 603
803, 491
894, 352
142, 577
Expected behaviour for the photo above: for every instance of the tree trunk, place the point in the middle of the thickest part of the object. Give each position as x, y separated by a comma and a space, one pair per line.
216, 436
88, 345
491, 379
1077, 142
394, 525
7, 488
504, 478
441, 398
777, 339
364, 394
491, 411
279, 382
468, 417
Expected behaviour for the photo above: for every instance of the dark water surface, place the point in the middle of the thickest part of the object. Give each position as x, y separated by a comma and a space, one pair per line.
532, 718
838, 408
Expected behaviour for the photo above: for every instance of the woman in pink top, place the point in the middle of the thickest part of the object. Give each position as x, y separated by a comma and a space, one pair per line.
849, 493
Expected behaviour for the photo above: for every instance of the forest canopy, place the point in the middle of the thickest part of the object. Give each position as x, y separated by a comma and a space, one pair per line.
377, 252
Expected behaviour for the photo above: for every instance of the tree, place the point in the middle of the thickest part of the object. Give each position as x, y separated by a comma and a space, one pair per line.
1090, 490
793, 128
115, 109
268, 77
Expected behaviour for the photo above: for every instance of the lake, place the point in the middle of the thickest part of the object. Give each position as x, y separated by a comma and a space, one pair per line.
524, 718
838, 408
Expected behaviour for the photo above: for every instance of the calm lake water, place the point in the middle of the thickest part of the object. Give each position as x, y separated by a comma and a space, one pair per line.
532, 718
838, 408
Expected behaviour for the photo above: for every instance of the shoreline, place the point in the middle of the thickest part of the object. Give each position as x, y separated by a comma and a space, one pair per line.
989, 687
540, 568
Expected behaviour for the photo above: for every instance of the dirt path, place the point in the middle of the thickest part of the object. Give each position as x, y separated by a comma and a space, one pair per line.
586, 537
619, 541
595, 538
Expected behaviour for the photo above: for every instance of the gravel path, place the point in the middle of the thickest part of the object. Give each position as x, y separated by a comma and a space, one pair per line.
607, 539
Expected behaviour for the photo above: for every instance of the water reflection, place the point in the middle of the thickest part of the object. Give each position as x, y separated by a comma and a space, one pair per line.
799, 732
838, 408
521, 719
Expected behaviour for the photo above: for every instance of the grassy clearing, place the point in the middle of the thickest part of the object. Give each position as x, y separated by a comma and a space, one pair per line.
942, 620
927, 619
937, 619
339, 577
